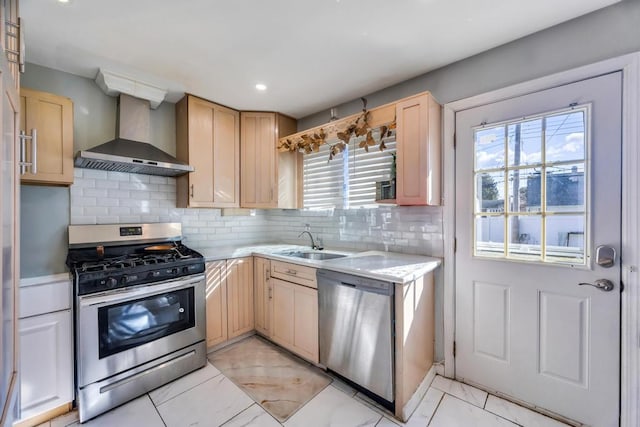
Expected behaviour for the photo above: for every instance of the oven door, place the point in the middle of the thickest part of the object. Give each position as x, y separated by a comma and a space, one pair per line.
119, 330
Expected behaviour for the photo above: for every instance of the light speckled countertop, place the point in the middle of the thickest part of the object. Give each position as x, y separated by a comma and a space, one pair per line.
389, 266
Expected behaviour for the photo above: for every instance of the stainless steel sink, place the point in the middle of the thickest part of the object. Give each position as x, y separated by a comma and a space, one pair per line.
313, 255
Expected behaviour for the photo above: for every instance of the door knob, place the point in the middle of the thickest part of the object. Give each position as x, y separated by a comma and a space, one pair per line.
604, 285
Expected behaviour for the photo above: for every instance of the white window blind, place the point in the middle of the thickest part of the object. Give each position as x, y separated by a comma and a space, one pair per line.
349, 180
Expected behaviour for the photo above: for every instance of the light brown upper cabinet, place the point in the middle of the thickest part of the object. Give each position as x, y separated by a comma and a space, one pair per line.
12, 38
269, 179
47, 121
418, 151
208, 138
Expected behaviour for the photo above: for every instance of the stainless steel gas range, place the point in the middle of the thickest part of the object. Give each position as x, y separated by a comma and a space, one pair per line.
139, 311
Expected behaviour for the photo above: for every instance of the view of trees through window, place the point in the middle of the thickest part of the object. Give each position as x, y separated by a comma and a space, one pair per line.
531, 189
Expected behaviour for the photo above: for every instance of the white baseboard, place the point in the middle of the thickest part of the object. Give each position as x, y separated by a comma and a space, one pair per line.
415, 400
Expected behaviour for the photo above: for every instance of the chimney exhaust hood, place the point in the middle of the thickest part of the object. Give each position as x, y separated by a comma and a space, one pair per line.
130, 151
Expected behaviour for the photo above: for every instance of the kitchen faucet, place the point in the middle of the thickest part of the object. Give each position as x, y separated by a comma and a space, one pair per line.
313, 244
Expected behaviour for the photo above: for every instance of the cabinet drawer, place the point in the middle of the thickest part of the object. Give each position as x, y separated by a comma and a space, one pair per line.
299, 274
46, 297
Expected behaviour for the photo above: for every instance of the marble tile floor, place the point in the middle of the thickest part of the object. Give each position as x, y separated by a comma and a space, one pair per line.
208, 398
276, 380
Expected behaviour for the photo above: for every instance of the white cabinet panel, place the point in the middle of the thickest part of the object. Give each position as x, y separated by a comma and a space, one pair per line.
46, 362
42, 297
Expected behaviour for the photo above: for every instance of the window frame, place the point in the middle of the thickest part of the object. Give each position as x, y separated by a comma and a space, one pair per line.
543, 213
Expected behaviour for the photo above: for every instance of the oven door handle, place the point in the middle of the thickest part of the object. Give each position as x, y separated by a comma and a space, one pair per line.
111, 297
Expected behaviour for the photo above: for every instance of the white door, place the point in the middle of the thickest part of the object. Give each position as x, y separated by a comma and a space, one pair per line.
538, 189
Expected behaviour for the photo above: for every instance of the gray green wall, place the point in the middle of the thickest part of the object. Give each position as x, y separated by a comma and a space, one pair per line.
606, 33
44, 211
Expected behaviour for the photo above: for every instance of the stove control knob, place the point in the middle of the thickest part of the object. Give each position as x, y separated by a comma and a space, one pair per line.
111, 282
174, 271
124, 279
185, 270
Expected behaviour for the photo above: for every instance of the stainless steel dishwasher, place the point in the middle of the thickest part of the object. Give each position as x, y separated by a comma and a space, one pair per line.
356, 331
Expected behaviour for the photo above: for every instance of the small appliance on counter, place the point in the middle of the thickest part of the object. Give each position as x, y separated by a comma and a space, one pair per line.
139, 311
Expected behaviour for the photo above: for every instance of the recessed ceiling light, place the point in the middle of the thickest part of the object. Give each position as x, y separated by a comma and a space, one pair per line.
63, 1
261, 87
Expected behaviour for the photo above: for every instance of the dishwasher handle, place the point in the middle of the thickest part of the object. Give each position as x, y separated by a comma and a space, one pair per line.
364, 284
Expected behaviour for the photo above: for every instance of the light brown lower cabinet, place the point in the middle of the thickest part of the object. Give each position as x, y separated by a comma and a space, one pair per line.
262, 295
216, 294
295, 318
229, 299
239, 296
414, 339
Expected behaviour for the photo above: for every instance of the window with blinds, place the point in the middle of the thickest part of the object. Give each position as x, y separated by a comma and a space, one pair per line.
349, 180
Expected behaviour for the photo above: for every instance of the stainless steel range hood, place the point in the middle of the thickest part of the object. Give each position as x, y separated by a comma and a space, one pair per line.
130, 151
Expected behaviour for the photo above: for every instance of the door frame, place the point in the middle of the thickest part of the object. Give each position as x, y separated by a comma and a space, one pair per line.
629, 65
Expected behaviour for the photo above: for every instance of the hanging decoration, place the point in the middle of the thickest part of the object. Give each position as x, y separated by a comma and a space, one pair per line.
343, 132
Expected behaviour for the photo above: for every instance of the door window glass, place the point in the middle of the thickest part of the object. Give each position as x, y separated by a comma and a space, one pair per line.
530, 183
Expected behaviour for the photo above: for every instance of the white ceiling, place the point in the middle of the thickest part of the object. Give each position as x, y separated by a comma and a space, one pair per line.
312, 54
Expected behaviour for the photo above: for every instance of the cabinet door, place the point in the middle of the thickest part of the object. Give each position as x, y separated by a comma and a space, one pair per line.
262, 295
208, 138
418, 151
259, 180
51, 116
226, 158
216, 294
46, 363
283, 312
240, 296
305, 323
200, 152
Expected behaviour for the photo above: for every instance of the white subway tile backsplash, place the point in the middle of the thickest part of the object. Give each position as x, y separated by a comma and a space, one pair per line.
157, 195
142, 198
106, 184
132, 219
118, 176
133, 186
93, 173
135, 203
109, 202
158, 179
119, 210
95, 210
86, 201
83, 220
140, 194
87, 183
107, 220
95, 192
140, 178
118, 194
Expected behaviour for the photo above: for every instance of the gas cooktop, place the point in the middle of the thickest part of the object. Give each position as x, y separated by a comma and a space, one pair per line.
99, 269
